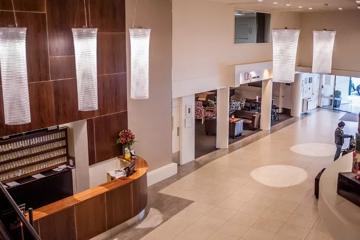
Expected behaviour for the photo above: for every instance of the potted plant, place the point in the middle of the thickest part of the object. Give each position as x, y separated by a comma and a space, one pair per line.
337, 99
126, 139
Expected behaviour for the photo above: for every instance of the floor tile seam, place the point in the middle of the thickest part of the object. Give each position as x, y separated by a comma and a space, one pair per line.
312, 228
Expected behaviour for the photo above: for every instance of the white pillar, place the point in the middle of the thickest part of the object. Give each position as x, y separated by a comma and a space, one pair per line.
297, 99
266, 105
281, 96
222, 122
321, 82
187, 129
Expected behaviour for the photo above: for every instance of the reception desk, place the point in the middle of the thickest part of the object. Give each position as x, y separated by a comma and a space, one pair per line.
341, 217
94, 211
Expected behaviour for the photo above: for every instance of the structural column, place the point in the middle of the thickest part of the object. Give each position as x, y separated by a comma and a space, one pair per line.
266, 105
296, 93
222, 122
187, 129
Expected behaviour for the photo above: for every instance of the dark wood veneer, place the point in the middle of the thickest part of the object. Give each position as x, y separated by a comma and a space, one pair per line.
51, 66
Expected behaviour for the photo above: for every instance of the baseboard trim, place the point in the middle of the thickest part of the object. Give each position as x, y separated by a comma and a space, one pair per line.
161, 173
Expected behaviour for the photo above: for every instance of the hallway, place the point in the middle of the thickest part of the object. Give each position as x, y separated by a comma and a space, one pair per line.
228, 203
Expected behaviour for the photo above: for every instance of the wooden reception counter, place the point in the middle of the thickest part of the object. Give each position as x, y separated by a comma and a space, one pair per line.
96, 210
341, 217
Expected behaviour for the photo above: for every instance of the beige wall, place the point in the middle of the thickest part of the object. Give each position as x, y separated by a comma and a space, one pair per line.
203, 45
346, 24
151, 119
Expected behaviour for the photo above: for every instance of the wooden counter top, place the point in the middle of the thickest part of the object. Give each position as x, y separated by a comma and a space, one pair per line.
141, 169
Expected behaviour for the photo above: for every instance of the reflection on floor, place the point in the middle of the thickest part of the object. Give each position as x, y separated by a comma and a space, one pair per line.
282, 117
204, 144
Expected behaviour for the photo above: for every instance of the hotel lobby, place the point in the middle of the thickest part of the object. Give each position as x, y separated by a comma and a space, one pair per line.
179, 119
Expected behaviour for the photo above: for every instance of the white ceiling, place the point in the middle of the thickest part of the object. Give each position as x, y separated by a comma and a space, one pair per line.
268, 5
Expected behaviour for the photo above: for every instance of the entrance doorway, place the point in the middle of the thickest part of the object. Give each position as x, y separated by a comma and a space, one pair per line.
341, 93
244, 111
205, 123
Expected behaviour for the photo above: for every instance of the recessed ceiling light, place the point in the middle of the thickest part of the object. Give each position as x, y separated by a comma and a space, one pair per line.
288, 4
358, 7
310, 8
260, 0
300, 6
357, 1
340, 8
275, 3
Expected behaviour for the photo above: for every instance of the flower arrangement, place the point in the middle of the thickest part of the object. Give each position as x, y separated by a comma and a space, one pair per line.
126, 138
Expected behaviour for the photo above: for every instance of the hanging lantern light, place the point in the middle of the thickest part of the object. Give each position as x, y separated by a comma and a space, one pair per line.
14, 77
140, 44
85, 44
323, 51
285, 44
86, 67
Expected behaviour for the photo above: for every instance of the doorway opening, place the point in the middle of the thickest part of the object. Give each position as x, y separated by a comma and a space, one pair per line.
244, 111
341, 93
205, 123
281, 103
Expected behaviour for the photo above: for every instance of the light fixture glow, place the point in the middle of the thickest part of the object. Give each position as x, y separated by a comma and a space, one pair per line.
300, 6
285, 44
323, 51
275, 3
310, 8
14, 75
340, 8
288, 4
140, 44
85, 43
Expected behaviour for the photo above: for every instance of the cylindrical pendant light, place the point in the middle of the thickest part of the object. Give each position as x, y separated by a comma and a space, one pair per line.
86, 67
285, 44
85, 44
323, 51
14, 76
139, 73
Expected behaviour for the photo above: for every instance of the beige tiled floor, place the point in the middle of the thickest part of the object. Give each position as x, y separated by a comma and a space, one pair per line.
229, 204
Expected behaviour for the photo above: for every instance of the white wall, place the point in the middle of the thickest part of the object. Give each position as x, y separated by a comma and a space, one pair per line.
245, 91
203, 45
176, 125
151, 119
78, 148
187, 129
346, 50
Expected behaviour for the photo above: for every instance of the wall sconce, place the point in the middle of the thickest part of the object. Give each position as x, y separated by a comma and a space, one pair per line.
285, 44
323, 51
140, 44
85, 43
15, 88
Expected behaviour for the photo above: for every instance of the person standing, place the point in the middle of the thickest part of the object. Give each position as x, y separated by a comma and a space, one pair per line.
339, 139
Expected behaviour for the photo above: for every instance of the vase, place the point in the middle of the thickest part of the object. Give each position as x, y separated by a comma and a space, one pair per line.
126, 152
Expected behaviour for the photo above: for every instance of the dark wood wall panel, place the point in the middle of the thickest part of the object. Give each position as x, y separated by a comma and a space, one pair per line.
114, 12
24, 5
37, 50
102, 133
62, 16
52, 227
51, 67
111, 53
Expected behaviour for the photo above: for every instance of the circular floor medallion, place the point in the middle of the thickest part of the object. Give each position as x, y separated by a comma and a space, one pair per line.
314, 149
279, 175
